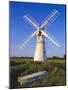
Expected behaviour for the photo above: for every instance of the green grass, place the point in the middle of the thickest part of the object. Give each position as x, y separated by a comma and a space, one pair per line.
19, 67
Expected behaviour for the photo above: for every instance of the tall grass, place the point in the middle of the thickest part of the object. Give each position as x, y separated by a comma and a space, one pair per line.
21, 67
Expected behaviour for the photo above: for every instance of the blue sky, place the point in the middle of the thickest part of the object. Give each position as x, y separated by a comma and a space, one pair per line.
20, 29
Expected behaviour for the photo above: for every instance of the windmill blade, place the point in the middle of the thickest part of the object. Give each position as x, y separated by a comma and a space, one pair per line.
31, 21
46, 35
27, 41
50, 18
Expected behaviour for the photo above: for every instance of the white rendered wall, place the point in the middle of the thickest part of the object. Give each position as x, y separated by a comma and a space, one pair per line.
40, 54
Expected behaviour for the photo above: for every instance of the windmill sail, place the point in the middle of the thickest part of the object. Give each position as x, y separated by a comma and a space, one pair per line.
50, 18
46, 35
27, 41
30, 21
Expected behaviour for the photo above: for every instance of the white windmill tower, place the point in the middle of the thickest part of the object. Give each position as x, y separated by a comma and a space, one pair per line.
40, 54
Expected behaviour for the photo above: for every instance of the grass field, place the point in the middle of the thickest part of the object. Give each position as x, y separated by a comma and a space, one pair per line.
22, 67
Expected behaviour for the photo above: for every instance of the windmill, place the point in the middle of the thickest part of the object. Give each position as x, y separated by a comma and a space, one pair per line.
40, 53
